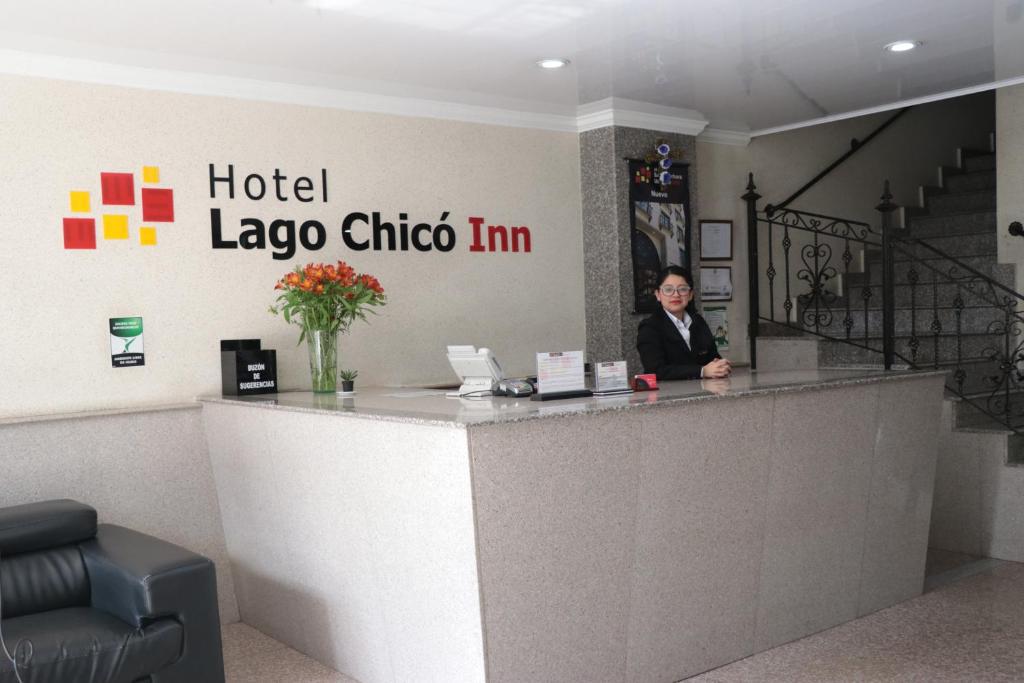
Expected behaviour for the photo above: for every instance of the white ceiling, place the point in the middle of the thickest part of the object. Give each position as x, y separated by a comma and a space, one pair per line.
743, 65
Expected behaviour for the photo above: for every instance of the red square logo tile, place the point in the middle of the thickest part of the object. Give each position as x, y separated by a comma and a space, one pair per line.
79, 233
118, 188
157, 205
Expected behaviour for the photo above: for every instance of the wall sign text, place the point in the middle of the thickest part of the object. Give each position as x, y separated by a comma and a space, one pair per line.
357, 230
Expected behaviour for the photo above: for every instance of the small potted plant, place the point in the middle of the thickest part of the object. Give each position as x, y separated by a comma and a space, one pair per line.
348, 380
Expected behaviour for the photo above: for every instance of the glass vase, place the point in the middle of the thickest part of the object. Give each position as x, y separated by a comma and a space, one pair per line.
323, 360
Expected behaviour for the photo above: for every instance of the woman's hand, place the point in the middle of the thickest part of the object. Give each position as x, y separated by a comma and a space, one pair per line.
716, 369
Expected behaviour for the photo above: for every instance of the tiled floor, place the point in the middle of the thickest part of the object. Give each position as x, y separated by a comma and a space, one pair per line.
969, 627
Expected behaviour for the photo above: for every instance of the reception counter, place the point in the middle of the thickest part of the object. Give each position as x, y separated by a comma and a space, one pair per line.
399, 535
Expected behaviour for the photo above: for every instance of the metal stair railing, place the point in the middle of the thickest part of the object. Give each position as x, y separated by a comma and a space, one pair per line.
1001, 358
950, 315
812, 307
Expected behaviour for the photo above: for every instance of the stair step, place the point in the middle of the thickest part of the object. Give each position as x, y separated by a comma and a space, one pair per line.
943, 292
772, 329
926, 270
988, 410
975, 221
975, 377
979, 162
966, 182
997, 389
910, 234
832, 320
975, 420
940, 204
975, 243
973, 346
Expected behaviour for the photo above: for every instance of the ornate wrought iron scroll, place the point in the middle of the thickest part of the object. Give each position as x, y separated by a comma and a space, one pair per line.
813, 248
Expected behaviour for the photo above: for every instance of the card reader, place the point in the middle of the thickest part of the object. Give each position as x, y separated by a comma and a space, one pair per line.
514, 387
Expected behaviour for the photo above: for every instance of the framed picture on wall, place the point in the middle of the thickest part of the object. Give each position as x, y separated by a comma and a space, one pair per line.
716, 240
659, 219
716, 284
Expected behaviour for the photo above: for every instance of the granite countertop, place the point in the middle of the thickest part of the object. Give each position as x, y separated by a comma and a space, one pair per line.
427, 406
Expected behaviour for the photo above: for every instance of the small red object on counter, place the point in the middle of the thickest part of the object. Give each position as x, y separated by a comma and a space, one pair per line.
645, 382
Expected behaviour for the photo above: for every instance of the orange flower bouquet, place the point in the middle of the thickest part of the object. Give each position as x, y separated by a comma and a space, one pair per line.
325, 300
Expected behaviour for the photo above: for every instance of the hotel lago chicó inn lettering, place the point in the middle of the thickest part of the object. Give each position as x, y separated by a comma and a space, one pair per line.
360, 231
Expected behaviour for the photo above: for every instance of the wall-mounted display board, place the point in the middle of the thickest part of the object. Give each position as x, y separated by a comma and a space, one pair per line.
659, 221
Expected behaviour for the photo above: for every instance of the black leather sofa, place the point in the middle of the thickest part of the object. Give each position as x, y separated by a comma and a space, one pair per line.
83, 603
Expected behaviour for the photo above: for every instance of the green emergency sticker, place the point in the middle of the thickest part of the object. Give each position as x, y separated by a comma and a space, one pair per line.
126, 348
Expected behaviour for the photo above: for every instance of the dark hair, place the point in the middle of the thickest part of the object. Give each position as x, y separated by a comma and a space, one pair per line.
674, 270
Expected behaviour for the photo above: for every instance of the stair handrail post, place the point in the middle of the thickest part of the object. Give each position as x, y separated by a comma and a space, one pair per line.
751, 198
886, 207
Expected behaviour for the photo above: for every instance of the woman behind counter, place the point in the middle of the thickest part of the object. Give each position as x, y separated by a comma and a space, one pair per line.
674, 343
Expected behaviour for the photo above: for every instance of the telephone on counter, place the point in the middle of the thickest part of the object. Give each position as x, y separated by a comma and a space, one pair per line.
478, 370
481, 374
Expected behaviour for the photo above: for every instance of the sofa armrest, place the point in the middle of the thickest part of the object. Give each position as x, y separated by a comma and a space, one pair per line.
139, 578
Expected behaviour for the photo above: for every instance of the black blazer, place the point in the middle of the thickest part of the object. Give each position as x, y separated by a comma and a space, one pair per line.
664, 352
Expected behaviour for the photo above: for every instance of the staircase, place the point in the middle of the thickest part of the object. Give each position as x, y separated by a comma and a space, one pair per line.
978, 504
957, 218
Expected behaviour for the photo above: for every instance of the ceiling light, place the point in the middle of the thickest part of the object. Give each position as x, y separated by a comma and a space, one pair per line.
552, 63
902, 45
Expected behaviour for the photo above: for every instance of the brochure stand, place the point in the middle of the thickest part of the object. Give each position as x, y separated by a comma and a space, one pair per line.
560, 375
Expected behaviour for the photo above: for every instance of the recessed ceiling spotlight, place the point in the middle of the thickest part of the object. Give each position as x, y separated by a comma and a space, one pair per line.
902, 45
552, 63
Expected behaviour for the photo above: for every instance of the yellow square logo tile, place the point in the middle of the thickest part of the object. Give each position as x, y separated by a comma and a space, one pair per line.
115, 227
147, 236
79, 202
151, 174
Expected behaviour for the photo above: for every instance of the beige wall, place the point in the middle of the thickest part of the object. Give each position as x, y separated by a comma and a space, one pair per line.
58, 136
1010, 175
144, 469
908, 153
721, 181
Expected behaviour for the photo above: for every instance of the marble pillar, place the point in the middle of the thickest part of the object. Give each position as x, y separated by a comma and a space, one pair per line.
607, 257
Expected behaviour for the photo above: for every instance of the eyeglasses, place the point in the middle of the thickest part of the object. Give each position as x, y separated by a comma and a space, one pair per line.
669, 290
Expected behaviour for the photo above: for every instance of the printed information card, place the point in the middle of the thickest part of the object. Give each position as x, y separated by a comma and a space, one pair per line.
126, 347
560, 371
611, 378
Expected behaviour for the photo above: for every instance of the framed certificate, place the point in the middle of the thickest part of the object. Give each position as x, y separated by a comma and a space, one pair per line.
716, 240
716, 284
